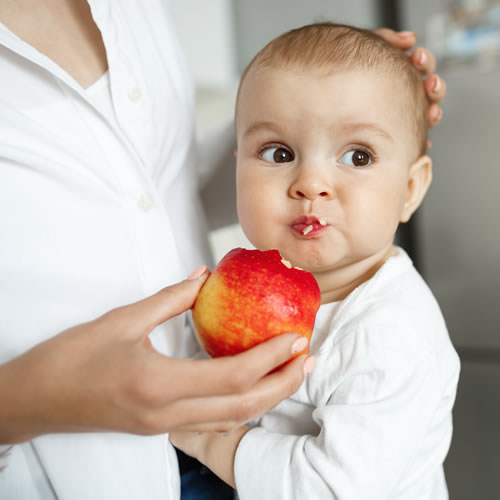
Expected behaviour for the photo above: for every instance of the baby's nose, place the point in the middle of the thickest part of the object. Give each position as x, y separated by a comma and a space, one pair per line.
311, 185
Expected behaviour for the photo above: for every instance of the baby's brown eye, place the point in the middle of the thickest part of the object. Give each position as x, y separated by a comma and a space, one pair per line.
360, 158
356, 158
277, 155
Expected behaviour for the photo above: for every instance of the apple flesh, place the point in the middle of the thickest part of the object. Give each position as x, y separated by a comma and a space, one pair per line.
251, 296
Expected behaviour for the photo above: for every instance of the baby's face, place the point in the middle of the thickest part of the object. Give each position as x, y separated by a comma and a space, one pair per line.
322, 165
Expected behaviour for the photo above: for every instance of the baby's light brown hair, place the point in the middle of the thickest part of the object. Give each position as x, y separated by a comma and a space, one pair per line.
328, 47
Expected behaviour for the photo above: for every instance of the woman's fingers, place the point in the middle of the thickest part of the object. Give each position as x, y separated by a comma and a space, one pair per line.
228, 375
224, 413
403, 40
434, 115
435, 87
423, 60
171, 301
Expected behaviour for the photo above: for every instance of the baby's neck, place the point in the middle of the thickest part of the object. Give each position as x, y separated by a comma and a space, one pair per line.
338, 284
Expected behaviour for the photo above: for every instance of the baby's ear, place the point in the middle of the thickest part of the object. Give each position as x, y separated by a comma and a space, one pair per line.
419, 180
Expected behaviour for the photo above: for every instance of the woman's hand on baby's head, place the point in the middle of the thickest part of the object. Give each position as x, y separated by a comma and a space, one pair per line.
425, 62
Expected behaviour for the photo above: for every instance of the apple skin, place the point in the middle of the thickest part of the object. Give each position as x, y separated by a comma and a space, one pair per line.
250, 297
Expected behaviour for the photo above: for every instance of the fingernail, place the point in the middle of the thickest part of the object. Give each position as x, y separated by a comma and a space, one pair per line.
299, 345
404, 34
197, 272
422, 58
439, 114
309, 365
437, 84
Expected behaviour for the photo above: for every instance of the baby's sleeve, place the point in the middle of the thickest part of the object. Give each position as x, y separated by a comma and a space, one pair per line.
379, 398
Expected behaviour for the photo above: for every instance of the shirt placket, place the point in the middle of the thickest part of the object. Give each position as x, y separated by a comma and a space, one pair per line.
150, 223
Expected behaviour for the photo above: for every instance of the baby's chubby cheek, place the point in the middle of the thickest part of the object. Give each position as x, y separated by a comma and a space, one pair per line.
257, 218
254, 225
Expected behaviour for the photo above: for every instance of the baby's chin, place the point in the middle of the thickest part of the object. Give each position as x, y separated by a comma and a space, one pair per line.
307, 258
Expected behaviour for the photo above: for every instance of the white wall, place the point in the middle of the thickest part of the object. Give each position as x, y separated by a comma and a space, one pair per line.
459, 235
258, 21
206, 32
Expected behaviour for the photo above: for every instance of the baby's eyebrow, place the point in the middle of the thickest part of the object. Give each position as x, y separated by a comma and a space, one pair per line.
371, 127
262, 125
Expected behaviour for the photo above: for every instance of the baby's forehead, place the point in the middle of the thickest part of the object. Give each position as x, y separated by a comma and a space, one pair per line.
333, 96
266, 79
323, 48
260, 72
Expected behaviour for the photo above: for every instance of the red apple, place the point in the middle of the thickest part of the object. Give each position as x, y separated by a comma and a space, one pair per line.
250, 297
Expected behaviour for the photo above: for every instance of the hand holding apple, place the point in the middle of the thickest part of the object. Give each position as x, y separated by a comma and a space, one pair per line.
250, 297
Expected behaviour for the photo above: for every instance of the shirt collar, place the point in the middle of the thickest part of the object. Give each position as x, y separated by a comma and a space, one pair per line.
100, 11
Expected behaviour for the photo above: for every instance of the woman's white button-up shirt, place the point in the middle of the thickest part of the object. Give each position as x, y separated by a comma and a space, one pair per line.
97, 210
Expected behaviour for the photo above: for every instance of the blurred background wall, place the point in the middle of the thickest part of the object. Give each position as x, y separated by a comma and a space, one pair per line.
454, 238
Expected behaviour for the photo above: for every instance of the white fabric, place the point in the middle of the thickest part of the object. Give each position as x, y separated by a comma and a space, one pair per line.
99, 94
96, 211
373, 421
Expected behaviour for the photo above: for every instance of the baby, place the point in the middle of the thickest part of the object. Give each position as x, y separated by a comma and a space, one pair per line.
331, 128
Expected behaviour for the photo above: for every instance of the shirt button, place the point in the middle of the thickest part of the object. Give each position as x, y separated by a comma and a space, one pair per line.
134, 94
144, 203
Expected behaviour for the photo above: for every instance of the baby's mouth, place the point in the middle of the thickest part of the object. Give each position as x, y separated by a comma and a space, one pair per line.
309, 225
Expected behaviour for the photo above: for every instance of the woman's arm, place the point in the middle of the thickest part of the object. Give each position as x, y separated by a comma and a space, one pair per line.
105, 375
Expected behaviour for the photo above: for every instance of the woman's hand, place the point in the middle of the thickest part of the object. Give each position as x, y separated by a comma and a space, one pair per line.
106, 376
425, 62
